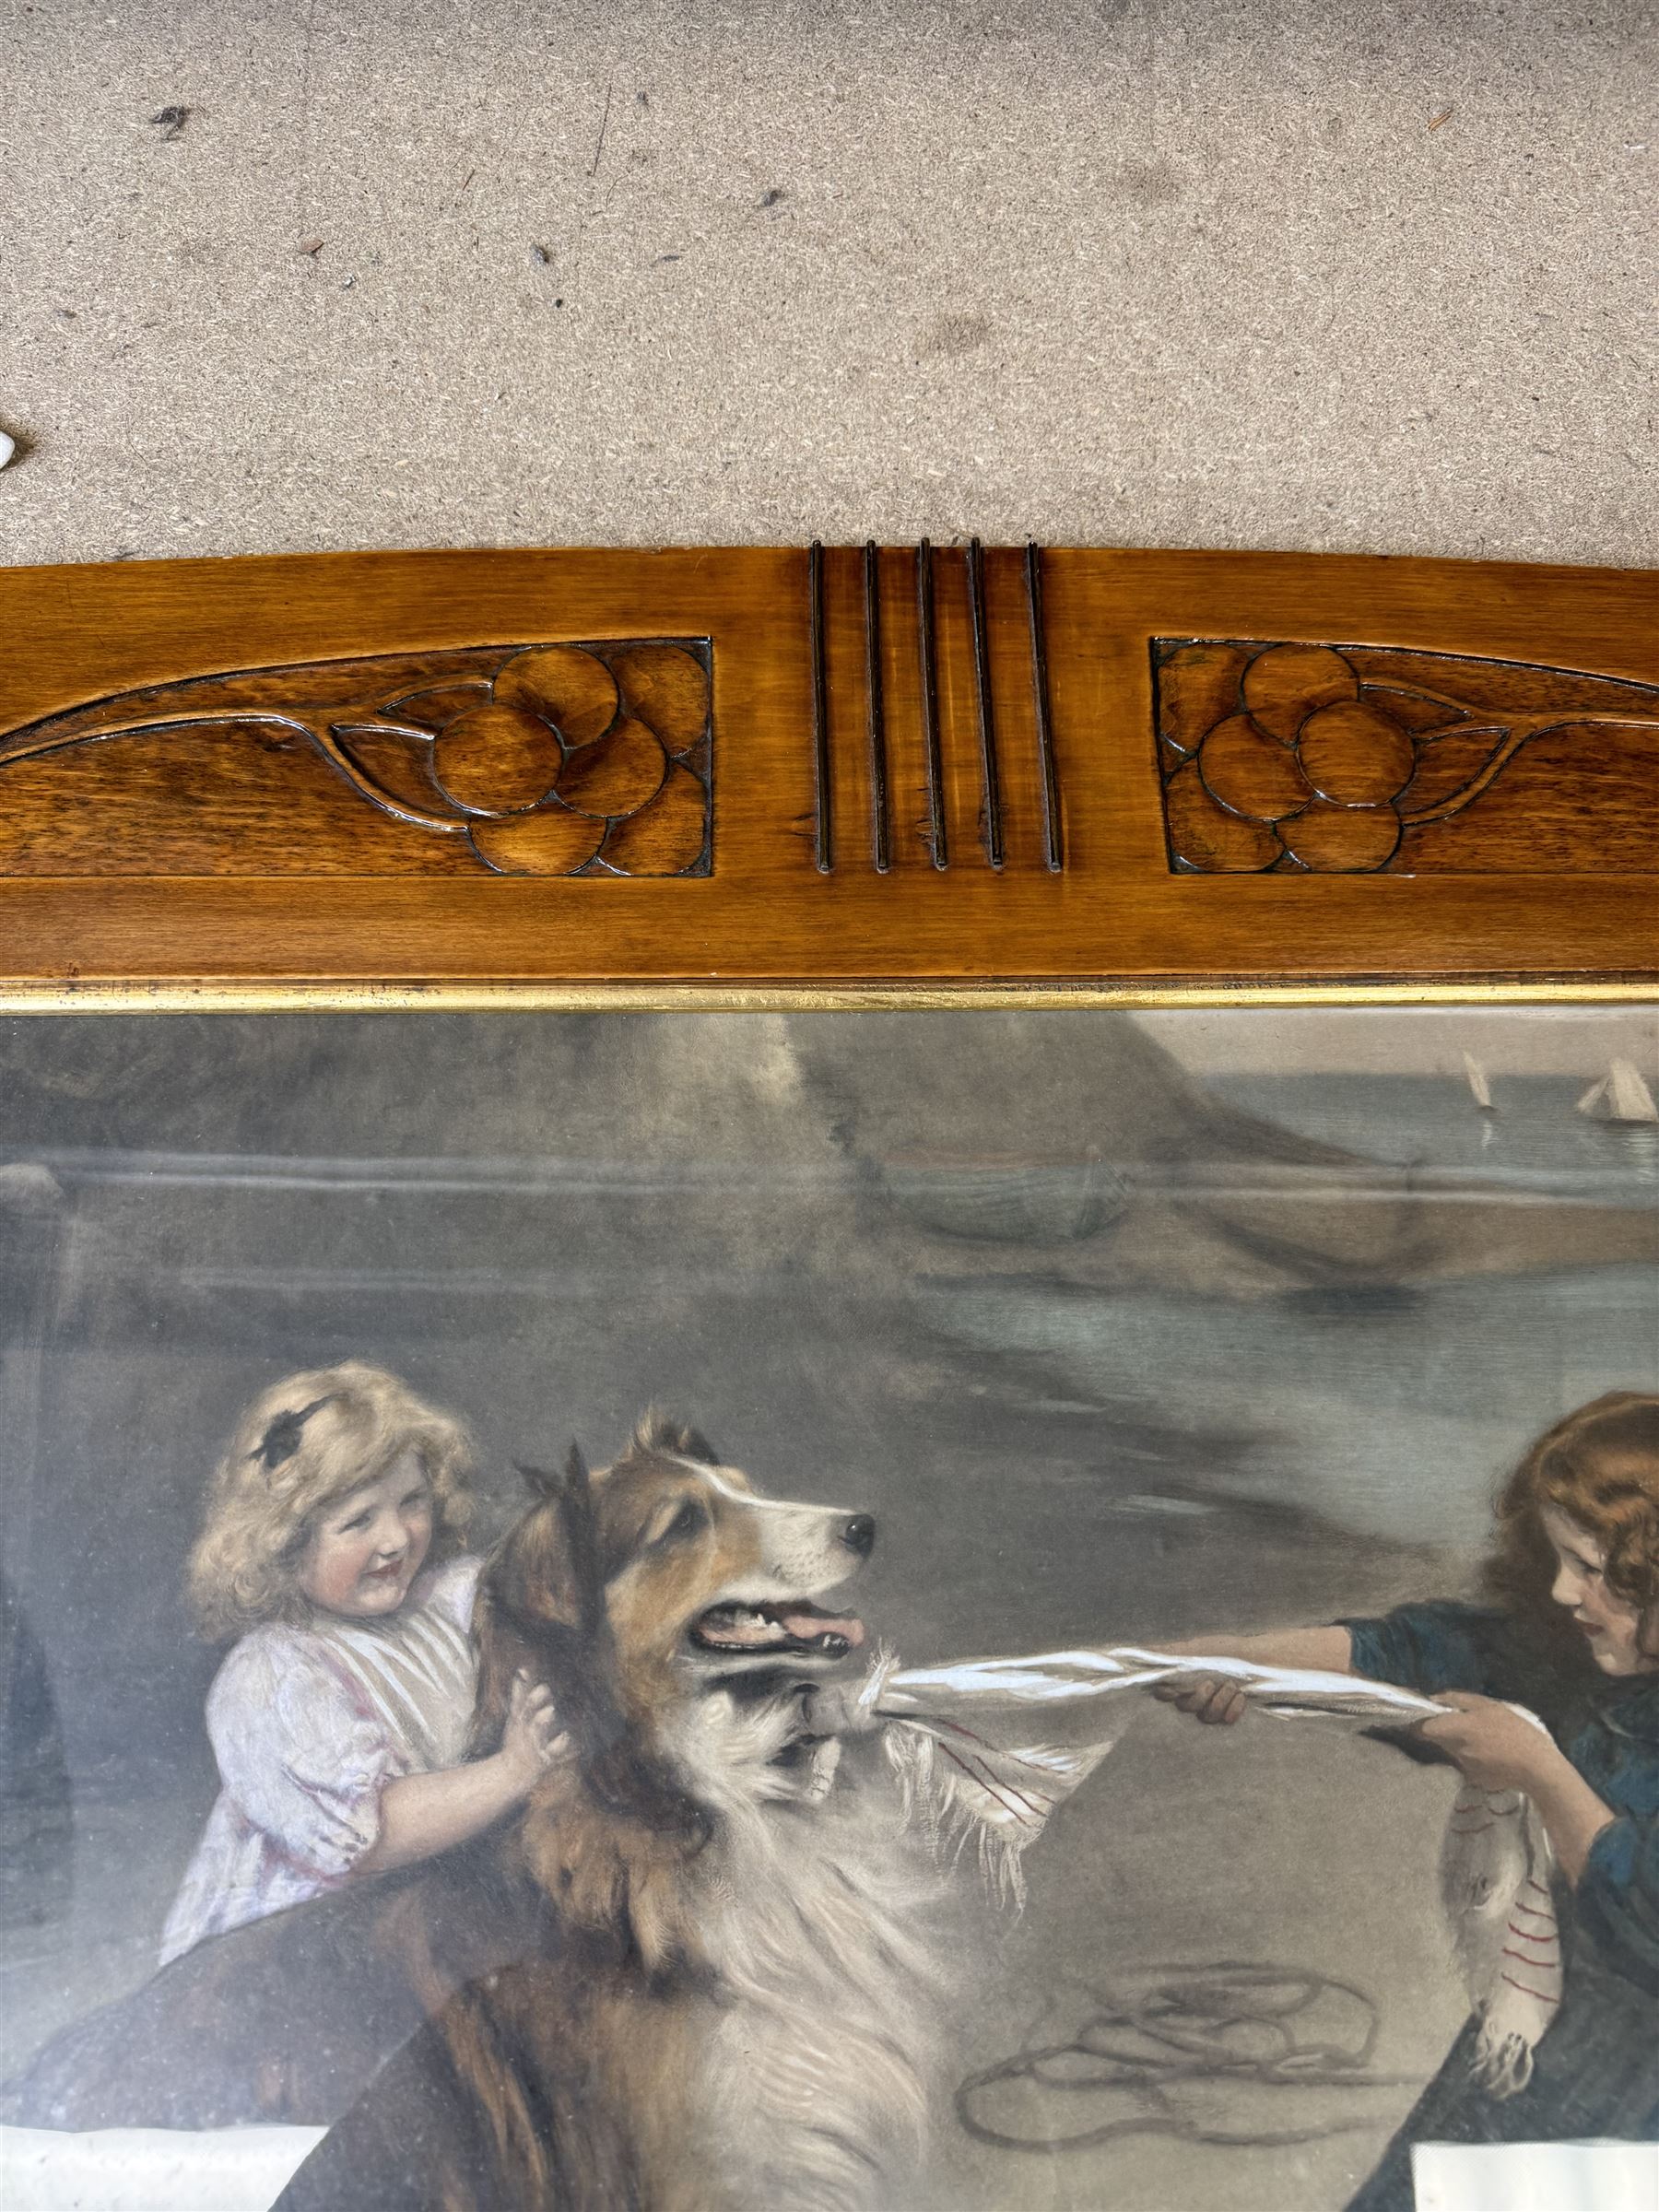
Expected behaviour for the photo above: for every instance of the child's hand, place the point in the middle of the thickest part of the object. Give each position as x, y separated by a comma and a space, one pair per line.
531, 1740
1216, 1699
1493, 1746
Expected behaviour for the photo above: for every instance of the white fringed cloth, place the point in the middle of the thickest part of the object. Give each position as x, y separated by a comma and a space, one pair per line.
985, 1749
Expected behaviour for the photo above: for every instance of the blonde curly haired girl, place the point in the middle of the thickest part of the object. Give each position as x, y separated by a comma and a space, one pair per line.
333, 1550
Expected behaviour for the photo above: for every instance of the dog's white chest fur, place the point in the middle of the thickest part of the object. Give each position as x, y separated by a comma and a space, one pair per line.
823, 2055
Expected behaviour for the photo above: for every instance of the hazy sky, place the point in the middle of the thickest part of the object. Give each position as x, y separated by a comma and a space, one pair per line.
1568, 1040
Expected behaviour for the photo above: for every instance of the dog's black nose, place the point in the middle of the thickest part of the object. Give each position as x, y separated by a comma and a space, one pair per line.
859, 1534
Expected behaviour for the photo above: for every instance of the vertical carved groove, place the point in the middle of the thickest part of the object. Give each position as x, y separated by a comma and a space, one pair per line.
880, 809
823, 841
1053, 852
991, 782
930, 705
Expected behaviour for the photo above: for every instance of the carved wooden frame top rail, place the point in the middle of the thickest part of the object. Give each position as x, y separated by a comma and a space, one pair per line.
826, 769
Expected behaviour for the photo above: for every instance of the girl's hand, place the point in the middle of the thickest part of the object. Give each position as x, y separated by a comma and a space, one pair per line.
1494, 1746
1216, 1699
531, 1740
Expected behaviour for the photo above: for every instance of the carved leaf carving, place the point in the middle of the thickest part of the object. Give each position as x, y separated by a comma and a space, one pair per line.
477, 758
1357, 760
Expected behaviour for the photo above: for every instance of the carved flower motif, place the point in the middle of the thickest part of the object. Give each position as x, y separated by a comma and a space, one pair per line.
1283, 756
1304, 758
564, 760
541, 760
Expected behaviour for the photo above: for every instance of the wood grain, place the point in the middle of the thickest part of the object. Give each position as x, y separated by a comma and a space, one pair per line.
530, 759
1362, 759
360, 795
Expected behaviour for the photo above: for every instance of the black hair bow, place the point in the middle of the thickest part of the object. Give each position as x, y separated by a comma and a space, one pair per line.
281, 1440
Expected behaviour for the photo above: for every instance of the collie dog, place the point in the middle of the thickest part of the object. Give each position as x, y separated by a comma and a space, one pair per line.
700, 1971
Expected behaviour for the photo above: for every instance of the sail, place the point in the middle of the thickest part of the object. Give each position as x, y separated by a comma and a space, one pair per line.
1632, 1100
1621, 1096
1477, 1081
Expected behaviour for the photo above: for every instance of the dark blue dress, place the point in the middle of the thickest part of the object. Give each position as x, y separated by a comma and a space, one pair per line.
1596, 2072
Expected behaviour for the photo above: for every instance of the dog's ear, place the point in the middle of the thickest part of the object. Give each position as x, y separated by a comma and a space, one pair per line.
533, 1610
655, 1432
537, 1480
541, 1610
581, 1535
547, 1571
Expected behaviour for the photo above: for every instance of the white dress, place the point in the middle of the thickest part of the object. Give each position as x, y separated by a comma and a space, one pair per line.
308, 1725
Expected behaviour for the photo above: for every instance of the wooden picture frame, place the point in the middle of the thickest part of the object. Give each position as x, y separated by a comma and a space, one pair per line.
914, 769
956, 780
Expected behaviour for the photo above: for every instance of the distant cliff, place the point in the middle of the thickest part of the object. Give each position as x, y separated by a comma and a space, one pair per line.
1073, 1142
1066, 1135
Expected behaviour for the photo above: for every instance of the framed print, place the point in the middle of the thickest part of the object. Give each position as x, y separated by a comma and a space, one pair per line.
829, 1378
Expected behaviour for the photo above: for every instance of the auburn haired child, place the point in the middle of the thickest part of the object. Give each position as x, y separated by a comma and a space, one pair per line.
333, 1550
1571, 1631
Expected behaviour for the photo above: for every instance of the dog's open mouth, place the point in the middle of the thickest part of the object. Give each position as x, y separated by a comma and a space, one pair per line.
792, 1624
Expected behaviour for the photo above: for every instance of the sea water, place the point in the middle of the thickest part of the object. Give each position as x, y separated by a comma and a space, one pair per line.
1391, 1412
1533, 1137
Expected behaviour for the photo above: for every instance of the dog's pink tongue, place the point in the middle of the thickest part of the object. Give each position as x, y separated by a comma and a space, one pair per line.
809, 1624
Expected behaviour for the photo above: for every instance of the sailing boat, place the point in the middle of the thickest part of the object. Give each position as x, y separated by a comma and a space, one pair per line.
1478, 1084
1621, 1096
